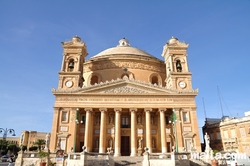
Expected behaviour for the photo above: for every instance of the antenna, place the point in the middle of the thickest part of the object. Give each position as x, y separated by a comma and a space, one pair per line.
220, 101
204, 108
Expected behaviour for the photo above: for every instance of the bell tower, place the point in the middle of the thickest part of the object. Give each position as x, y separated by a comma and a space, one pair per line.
71, 74
177, 72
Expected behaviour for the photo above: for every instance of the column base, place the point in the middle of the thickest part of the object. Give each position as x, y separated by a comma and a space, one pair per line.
133, 154
117, 155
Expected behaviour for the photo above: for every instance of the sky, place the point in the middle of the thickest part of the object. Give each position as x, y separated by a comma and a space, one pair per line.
31, 32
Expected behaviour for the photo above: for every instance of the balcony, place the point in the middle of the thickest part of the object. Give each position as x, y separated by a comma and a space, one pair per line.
230, 140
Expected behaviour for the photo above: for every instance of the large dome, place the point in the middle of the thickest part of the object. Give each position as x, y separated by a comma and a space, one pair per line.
123, 48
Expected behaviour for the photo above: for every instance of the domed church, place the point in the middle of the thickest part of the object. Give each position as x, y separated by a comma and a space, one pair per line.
123, 99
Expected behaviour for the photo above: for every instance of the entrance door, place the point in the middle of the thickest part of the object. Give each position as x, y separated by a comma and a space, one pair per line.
168, 147
125, 146
81, 145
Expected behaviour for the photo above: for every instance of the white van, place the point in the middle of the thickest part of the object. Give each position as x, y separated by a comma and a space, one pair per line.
238, 161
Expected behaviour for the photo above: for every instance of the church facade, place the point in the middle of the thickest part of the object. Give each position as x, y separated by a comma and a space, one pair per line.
124, 99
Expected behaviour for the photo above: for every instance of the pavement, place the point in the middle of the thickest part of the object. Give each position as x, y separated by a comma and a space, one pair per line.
126, 160
3, 163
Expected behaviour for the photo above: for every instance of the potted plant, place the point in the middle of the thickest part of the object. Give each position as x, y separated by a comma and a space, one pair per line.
214, 161
43, 155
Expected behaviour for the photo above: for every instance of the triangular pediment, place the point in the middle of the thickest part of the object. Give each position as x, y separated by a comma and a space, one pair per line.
122, 86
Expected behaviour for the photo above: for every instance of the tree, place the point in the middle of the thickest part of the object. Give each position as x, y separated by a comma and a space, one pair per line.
24, 147
40, 143
13, 148
33, 148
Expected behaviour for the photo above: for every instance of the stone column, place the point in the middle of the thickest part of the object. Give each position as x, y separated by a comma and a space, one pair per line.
163, 130
179, 130
102, 139
87, 129
63, 62
54, 130
117, 132
133, 132
148, 130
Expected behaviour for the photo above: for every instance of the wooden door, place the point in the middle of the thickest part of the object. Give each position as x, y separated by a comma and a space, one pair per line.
125, 146
168, 147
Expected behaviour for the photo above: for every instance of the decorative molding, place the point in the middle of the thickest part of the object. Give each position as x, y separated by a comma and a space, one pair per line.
118, 64
125, 89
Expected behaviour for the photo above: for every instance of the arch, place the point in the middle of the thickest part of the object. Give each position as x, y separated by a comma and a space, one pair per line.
71, 63
178, 66
178, 63
124, 74
155, 78
94, 78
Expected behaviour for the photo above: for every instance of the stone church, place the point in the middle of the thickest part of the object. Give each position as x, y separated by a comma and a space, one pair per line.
123, 99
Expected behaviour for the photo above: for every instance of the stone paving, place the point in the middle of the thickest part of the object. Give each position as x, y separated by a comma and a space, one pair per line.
127, 160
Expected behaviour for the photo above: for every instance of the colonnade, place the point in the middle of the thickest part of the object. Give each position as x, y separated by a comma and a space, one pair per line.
133, 129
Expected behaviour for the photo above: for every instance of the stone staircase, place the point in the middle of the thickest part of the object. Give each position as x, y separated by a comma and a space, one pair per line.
127, 160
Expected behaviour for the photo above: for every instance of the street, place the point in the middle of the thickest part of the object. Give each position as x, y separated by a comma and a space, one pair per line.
3, 163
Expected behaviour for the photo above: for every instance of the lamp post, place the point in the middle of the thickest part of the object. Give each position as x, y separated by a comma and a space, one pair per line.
5, 133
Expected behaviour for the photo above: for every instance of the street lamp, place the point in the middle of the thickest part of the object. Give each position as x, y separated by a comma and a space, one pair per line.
5, 133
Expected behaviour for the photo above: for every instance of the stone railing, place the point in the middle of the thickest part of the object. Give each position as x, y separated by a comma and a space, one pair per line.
68, 159
89, 159
162, 159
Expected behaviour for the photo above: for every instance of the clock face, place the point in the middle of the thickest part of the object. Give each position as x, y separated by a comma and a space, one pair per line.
182, 84
69, 84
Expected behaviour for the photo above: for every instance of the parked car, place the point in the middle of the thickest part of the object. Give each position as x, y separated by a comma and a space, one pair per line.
4, 158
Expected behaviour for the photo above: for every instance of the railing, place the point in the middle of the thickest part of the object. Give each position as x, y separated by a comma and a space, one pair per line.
90, 159
159, 156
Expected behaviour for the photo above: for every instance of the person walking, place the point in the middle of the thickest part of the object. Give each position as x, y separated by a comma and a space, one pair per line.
10, 160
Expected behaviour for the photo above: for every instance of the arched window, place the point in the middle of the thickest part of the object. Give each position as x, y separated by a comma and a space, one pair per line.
124, 75
178, 66
94, 79
71, 65
154, 80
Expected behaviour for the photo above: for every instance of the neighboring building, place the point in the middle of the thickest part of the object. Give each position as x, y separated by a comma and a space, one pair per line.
126, 99
212, 128
28, 138
12, 140
232, 134
236, 134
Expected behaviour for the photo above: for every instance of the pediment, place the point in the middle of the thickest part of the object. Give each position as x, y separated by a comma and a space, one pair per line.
188, 135
123, 86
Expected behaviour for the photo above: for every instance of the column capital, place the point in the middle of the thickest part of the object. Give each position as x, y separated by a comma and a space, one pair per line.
162, 109
103, 109
133, 109
148, 109
117, 110
88, 109
56, 109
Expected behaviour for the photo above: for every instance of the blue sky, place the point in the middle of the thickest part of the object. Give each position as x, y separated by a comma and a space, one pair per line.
218, 33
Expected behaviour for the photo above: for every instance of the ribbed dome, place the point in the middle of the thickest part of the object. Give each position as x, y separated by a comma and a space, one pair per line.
123, 48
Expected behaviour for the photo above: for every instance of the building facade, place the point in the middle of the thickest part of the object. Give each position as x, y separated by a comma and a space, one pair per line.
124, 99
236, 134
229, 134
212, 128
28, 138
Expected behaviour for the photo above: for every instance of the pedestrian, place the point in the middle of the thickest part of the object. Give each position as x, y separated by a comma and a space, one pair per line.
10, 160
